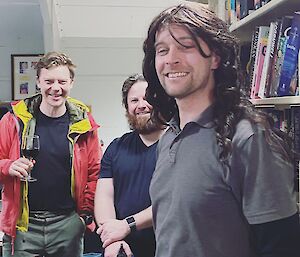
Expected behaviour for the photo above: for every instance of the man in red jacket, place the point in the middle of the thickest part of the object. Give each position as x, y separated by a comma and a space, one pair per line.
48, 217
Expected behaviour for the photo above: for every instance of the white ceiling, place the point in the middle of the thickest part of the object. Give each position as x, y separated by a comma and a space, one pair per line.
81, 18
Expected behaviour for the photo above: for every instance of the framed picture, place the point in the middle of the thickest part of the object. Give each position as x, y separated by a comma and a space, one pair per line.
23, 75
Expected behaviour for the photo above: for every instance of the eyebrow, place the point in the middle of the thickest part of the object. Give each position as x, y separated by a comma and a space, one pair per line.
176, 39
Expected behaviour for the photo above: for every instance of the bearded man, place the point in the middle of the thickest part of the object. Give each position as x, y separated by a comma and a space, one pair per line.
122, 203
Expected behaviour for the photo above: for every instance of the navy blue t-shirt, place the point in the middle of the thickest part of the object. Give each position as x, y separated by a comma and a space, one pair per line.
131, 164
52, 190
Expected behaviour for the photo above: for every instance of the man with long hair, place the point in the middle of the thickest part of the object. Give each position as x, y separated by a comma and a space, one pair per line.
122, 203
224, 179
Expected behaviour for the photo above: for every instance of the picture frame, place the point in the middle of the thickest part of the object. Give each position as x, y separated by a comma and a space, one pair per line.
23, 75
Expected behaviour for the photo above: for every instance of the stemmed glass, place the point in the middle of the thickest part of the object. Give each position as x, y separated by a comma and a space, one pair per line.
30, 149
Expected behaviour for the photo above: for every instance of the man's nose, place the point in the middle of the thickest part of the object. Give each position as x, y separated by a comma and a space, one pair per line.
172, 57
55, 85
142, 104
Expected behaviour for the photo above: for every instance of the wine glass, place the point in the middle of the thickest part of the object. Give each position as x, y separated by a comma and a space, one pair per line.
30, 149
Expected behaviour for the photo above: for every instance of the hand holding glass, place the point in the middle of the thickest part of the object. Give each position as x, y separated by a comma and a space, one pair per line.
30, 149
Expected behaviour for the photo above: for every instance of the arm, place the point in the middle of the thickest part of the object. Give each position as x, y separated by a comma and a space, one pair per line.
104, 201
268, 198
143, 219
113, 249
277, 238
11, 165
114, 230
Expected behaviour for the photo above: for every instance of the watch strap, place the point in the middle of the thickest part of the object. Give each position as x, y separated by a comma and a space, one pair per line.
131, 223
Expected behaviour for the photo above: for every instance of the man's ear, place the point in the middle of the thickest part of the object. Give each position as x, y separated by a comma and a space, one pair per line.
72, 83
215, 63
37, 82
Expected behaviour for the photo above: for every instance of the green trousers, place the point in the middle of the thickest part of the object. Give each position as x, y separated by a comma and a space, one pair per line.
50, 235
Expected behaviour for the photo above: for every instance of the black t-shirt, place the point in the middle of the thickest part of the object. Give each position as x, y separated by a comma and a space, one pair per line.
131, 164
52, 190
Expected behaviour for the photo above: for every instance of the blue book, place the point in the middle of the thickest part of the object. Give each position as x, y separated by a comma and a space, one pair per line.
290, 60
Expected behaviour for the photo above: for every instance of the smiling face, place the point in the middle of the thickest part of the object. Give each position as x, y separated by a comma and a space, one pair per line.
182, 70
139, 110
55, 84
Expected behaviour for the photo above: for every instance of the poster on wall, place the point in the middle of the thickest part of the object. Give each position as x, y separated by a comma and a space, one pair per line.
23, 75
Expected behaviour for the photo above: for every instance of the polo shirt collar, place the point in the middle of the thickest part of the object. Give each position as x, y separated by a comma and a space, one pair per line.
205, 119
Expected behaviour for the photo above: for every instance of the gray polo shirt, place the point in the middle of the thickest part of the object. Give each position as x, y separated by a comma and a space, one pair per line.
200, 206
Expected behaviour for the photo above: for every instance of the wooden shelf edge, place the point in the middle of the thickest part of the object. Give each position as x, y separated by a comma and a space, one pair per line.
256, 14
285, 100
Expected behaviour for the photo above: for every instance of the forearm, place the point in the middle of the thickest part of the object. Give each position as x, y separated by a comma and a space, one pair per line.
143, 219
104, 210
104, 203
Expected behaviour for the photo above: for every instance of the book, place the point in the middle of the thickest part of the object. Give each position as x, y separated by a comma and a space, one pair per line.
238, 9
245, 7
228, 15
263, 34
251, 62
273, 36
257, 4
233, 17
295, 113
285, 24
290, 59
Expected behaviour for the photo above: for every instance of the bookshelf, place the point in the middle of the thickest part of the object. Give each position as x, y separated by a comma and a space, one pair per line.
243, 30
263, 16
285, 101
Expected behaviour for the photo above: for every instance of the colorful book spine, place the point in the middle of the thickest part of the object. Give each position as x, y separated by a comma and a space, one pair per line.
273, 52
290, 57
269, 56
285, 26
251, 63
245, 7
259, 59
233, 17
257, 4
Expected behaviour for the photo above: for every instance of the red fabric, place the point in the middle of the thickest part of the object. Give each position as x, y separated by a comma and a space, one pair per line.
87, 155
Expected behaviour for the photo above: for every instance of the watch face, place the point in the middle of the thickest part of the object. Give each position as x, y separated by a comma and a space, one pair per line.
88, 219
131, 223
130, 220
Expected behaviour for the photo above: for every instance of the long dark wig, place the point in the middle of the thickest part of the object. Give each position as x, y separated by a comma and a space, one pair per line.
230, 105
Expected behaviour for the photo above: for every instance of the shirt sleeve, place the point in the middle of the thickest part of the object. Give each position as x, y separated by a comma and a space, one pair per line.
108, 160
267, 181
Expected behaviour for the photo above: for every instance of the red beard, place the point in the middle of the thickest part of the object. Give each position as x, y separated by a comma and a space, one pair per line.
143, 125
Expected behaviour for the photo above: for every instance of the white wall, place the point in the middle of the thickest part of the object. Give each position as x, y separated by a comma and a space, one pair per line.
20, 34
103, 38
107, 46
103, 65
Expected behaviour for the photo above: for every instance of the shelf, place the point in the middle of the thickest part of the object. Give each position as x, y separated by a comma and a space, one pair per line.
277, 101
263, 16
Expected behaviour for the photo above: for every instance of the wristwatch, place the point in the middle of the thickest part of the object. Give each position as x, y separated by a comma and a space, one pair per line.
131, 223
88, 219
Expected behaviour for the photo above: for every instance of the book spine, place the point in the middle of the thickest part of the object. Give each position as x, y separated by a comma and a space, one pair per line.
290, 57
285, 26
273, 50
296, 138
266, 63
246, 6
252, 56
233, 17
261, 50
257, 4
